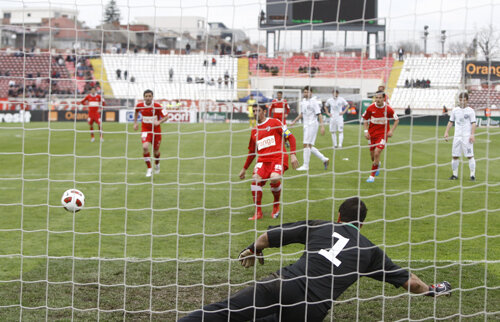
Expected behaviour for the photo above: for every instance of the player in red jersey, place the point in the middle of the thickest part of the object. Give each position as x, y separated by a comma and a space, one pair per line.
153, 115
279, 108
95, 103
266, 142
377, 129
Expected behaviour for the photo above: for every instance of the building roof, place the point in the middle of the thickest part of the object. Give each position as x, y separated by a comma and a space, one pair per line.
64, 28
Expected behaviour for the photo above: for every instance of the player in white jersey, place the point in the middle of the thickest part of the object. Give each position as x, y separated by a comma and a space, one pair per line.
310, 111
336, 106
464, 118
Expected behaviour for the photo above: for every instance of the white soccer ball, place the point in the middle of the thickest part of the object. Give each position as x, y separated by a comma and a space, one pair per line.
73, 200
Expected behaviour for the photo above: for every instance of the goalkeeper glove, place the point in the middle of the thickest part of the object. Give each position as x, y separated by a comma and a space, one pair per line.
439, 289
247, 256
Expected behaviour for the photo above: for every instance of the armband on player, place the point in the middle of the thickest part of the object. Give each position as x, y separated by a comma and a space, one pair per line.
443, 288
287, 133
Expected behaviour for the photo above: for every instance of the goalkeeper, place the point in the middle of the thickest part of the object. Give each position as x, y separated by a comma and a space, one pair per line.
336, 256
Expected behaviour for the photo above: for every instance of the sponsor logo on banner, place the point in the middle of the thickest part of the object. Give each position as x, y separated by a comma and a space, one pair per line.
127, 116
79, 116
19, 117
110, 116
201, 105
53, 116
482, 69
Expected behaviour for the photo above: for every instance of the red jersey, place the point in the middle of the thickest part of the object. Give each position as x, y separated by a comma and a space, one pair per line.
93, 102
267, 142
279, 109
150, 114
379, 118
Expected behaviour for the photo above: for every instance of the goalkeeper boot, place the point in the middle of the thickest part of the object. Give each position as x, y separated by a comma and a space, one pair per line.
276, 211
258, 215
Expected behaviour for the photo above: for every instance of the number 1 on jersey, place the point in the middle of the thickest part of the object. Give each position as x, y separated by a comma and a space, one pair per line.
337, 247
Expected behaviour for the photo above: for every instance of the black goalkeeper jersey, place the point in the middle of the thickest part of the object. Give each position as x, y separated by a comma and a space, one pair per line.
336, 256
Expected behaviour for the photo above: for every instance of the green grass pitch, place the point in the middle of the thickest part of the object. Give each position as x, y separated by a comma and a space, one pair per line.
136, 251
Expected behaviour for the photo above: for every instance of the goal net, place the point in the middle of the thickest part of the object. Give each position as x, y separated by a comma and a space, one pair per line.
159, 247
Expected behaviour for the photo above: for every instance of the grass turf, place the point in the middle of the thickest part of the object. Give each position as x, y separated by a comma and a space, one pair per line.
197, 208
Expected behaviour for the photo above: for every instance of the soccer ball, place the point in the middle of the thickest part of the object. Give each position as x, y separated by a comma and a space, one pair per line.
73, 200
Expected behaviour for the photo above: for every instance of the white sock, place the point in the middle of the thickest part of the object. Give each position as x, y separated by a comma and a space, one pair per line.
334, 139
472, 166
341, 138
318, 154
307, 156
454, 167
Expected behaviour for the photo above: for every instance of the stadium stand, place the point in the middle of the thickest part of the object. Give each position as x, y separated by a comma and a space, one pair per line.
152, 71
482, 98
24, 69
327, 66
445, 76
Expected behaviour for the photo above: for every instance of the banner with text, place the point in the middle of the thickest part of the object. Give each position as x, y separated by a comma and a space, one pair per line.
482, 69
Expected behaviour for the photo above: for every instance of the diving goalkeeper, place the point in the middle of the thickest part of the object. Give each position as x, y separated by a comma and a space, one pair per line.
336, 255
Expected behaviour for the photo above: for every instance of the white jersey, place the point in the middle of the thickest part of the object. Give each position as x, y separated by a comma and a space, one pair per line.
336, 105
463, 119
310, 108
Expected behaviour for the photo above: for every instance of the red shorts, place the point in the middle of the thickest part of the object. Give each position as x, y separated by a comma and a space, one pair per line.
377, 142
264, 169
153, 138
94, 118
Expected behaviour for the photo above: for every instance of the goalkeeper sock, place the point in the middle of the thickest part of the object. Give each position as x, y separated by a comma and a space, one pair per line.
276, 190
147, 159
334, 139
307, 156
374, 169
318, 154
472, 167
256, 194
454, 167
157, 158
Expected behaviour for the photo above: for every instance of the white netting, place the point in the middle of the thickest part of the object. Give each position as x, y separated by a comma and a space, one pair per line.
160, 247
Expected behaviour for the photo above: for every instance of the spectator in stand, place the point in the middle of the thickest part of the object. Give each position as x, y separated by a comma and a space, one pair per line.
407, 83
216, 50
412, 83
211, 82
214, 61
125, 75
428, 83
118, 73
408, 110
132, 79
232, 81
219, 81
170, 74
401, 53
189, 80
226, 78
316, 55
205, 63
188, 48
445, 110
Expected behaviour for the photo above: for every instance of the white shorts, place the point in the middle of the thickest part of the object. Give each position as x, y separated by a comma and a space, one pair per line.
337, 124
462, 146
310, 132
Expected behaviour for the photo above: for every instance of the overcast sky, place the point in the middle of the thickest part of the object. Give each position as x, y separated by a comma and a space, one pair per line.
405, 18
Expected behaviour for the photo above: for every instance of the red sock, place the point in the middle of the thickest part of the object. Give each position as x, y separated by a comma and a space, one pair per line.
276, 190
374, 169
157, 158
91, 131
256, 194
147, 159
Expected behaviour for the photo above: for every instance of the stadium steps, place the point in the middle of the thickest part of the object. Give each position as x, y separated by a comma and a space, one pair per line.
100, 74
392, 83
243, 76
